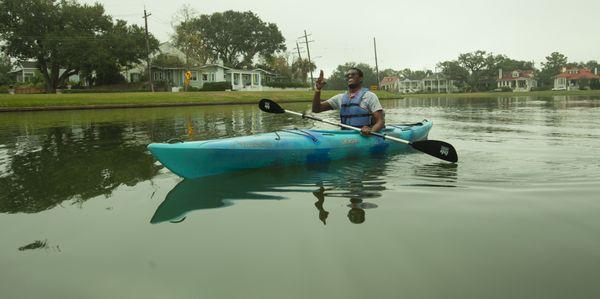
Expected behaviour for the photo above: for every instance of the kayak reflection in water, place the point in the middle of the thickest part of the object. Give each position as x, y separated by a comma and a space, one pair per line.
356, 214
333, 180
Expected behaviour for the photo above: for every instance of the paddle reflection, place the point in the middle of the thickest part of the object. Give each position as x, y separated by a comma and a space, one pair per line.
356, 180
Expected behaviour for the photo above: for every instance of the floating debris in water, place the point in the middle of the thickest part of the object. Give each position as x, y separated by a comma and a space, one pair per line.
35, 245
40, 245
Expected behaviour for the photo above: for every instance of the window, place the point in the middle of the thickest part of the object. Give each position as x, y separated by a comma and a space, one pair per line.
212, 77
515, 74
27, 77
205, 77
194, 76
135, 77
255, 79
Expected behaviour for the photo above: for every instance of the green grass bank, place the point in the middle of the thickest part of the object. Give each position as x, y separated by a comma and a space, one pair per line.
33, 102
26, 102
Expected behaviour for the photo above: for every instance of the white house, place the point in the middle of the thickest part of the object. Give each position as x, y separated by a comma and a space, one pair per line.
517, 80
569, 78
437, 83
25, 72
240, 79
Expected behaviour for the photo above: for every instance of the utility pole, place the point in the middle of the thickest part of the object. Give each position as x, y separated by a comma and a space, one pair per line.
376, 66
298, 48
306, 41
146, 15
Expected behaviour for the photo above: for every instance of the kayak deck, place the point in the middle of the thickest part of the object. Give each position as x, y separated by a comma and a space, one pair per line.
280, 148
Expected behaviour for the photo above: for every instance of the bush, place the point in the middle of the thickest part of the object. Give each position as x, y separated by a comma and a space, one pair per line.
216, 86
541, 88
504, 89
286, 84
595, 84
4, 89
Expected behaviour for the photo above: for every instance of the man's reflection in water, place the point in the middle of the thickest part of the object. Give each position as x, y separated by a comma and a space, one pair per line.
356, 214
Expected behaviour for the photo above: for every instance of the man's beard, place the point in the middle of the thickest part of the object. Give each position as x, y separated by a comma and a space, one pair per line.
353, 85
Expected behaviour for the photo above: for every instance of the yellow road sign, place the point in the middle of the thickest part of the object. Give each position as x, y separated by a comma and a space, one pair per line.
373, 87
188, 75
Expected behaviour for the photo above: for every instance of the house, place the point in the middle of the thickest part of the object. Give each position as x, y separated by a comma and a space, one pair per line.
516, 80
391, 84
27, 71
410, 86
433, 83
437, 83
240, 79
571, 78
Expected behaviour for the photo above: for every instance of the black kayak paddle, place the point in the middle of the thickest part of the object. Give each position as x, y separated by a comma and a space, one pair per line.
436, 148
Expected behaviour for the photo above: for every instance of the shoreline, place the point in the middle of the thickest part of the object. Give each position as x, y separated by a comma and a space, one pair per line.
58, 102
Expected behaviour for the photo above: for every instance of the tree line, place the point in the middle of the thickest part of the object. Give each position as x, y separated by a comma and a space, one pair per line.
66, 38
471, 72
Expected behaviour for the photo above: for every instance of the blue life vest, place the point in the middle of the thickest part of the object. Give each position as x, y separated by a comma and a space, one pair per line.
352, 114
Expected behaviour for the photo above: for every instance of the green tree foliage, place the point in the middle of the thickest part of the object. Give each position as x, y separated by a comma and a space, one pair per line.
6, 65
279, 65
414, 75
389, 73
165, 60
301, 68
337, 80
70, 36
237, 37
551, 67
478, 71
186, 39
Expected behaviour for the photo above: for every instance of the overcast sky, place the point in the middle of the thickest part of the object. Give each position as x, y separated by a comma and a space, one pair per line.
410, 33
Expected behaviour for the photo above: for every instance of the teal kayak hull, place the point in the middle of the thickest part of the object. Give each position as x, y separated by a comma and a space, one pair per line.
280, 148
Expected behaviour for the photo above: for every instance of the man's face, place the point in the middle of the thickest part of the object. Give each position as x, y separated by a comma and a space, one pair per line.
353, 78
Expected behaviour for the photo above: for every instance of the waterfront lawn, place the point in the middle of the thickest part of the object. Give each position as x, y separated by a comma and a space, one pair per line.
161, 98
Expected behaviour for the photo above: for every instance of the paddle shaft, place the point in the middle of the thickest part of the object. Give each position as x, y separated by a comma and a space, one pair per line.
347, 126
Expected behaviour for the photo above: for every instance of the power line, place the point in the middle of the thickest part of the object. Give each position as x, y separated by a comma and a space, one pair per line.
306, 42
146, 15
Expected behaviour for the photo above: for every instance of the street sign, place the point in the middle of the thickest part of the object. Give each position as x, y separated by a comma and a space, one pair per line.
188, 75
374, 87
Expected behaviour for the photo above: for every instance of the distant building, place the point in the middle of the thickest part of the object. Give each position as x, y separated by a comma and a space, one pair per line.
26, 71
571, 77
391, 84
433, 83
240, 79
410, 86
517, 80
437, 83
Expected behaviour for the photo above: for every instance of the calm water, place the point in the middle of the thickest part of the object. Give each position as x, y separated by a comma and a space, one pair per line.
85, 211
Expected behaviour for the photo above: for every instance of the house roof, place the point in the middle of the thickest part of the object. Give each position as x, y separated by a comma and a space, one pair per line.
436, 76
389, 80
508, 76
577, 73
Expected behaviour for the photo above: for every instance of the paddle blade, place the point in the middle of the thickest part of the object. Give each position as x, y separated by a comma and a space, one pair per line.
436, 148
269, 106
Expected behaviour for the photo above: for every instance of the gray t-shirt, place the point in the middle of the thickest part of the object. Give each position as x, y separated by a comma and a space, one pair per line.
369, 101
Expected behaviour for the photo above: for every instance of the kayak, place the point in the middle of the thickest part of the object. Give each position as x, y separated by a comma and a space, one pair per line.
197, 159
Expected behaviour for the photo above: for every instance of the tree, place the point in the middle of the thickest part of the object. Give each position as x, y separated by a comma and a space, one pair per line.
237, 37
456, 72
301, 68
414, 75
69, 36
186, 39
6, 65
552, 67
338, 80
165, 60
279, 65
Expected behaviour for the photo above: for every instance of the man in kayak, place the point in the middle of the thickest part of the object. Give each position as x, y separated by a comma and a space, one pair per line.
358, 107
